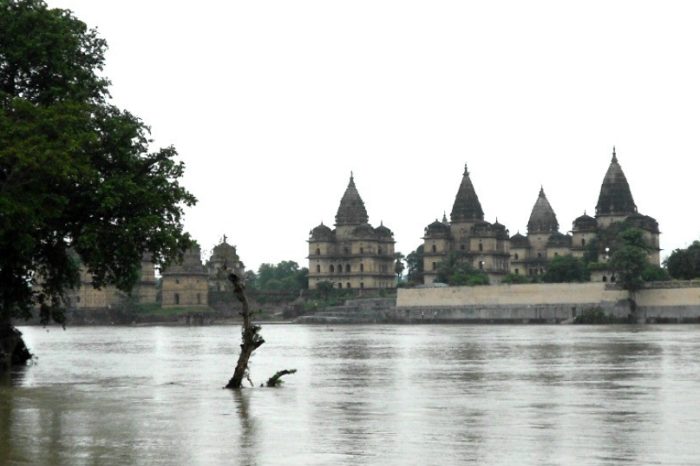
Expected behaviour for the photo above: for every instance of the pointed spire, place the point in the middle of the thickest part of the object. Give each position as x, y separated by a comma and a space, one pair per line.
466, 207
542, 219
351, 210
444, 217
615, 196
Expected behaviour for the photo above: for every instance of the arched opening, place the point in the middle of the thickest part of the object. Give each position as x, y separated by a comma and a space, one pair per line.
318, 268
434, 248
177, 298
332, 269
347, 285
340, 285
583, 241
481, 247
318, 251
516, 256
605, 279
362, 267
347, 268
379, 251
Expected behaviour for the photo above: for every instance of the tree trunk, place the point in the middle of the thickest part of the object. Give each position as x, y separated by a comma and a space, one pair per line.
13, 351
251, 339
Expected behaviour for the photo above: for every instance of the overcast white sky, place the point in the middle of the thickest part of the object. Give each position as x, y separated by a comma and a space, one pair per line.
271, 104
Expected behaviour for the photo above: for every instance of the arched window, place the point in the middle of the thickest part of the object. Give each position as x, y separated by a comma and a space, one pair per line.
434, 265
177, 298
318, 251
340, 268
347, 268
362, 250
556, 254
517, 272
362, 284
613, 279
434, 248
346, 250
481, 247
332, 269
461, 247
605, 279
347, 285
340, 285
318, 268
583, 241
379, 251
516, 256
481, 265
362, 267
539, 255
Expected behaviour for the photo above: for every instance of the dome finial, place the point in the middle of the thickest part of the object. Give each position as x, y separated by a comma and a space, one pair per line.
466, 171
444, 217
614, 159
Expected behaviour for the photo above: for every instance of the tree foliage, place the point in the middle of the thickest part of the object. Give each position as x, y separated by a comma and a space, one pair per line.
414, 260
515, 279
629, 259
684, 264
455, 270
399, 265
285, 276
77, 180
565, 269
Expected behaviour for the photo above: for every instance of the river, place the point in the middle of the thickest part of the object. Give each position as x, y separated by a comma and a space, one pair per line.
379, 394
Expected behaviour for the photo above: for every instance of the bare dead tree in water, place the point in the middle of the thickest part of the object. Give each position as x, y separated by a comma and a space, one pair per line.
251, 340
250, 336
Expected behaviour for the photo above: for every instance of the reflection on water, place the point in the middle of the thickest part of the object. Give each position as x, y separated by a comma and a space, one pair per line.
363, 395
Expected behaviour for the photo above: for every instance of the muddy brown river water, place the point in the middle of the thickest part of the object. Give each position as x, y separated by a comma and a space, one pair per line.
422, 394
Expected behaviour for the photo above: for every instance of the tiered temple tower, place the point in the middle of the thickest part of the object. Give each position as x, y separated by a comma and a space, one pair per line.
484, 245
530, 255
354, 254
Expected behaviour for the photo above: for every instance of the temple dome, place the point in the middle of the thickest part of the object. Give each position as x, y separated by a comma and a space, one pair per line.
437, 229
383, 232
542, 218
519, 241
585, 223
559, 240
467, 207
615, 196
351, 210
321, 232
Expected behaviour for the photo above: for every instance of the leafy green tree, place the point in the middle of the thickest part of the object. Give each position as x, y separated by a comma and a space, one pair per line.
684, 264
77, 179
456, 271
629, 259
415, 266
565, 269
654, 273
285, 276
398, 265
515, 279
